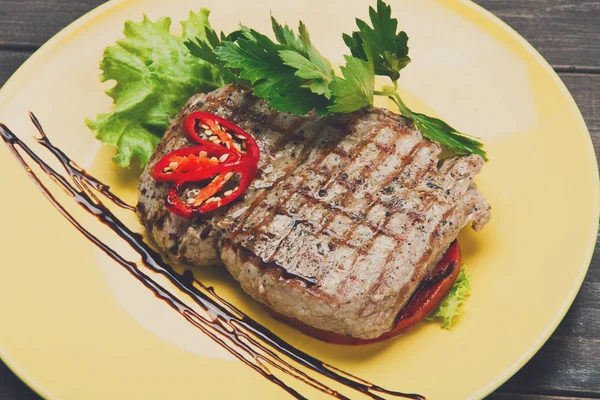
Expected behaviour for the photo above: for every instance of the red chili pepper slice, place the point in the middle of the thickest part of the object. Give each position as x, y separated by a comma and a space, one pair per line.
207, 198
224, 150
203, 127
182, 162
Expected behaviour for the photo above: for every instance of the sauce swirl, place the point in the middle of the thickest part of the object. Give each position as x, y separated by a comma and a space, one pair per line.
250, 342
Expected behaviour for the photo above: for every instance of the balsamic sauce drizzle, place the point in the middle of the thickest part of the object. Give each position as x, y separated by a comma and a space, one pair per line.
236, 332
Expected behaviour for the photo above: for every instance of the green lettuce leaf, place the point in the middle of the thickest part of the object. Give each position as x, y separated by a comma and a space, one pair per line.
450, 306
155, 74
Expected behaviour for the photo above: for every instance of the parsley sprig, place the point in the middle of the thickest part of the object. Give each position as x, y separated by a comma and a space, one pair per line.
292, 76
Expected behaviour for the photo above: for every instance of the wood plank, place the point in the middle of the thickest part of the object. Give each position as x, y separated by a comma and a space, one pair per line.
9, 62
583, 319
517, 396
12, 388
565, 32
569, 363
30, 23
562, 365
585, 89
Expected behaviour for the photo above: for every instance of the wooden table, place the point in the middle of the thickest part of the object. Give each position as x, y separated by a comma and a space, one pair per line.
565, 32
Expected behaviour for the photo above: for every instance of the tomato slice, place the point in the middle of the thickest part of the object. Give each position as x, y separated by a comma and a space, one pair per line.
425, 299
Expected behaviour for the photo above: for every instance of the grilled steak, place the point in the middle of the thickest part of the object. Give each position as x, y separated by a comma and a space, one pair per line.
347, 214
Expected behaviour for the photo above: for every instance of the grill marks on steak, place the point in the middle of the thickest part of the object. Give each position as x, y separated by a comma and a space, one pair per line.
346, 217
193, 240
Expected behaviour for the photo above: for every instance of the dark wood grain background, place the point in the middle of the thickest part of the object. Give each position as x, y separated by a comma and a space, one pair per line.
565, 32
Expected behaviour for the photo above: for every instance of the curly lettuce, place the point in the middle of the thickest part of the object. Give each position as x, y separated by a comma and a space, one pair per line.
155, 74
451, 305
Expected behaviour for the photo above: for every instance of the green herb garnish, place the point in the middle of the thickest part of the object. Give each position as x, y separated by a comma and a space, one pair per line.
450, 306
388, 47
292, 76
156, 72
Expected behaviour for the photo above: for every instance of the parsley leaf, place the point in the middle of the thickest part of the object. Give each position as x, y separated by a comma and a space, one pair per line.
204, 48
437, 130
256, 59
286, 36
292, 76
305, 58
389, 48
356, 90
318, 80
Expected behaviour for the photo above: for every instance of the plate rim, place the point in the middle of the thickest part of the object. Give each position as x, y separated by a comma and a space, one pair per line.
111, 5
591, 245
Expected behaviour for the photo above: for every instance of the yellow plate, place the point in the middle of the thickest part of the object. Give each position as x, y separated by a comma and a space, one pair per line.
75, 326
